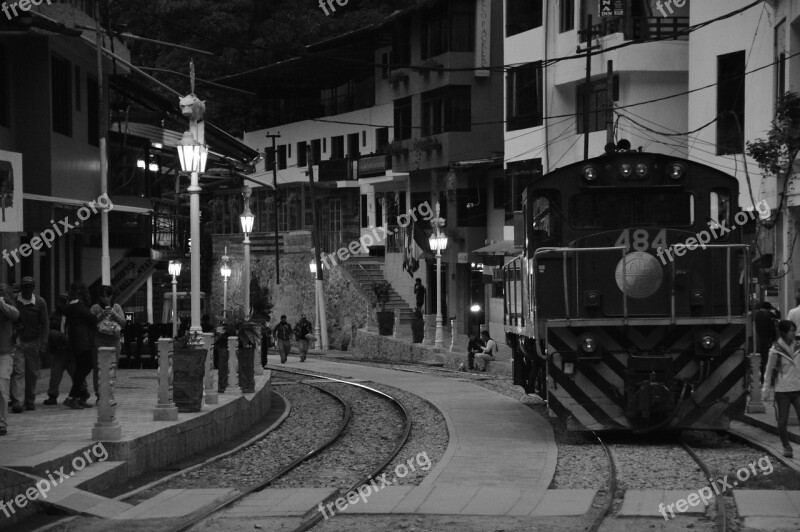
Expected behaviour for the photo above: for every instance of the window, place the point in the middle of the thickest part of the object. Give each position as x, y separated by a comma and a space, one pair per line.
595, 100
519, 175
364, 139
364, 210
474, 216
780, 61
5, 87
402, 119
524, 99
93, 111
324, 145
283, 216
269, 162
77, 88
522, 15
302, 151
381, 139
290, 150
544, 219
337, 147
720, 207
282, 157
61, 87
401, 44
730, 103
316, 151
615, 209
448, 30
447, 109
335, 220
566, 11
385, 66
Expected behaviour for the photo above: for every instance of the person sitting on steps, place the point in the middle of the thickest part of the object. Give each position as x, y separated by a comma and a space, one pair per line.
487, 354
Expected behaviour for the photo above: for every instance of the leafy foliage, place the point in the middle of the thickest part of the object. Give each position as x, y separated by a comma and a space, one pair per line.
382, 291
775, 153
238, 324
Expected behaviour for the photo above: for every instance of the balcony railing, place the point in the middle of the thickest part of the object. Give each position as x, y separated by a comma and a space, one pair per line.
640, 28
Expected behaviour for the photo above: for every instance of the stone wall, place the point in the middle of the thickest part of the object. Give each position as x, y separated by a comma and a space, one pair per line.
386, 348
13, 484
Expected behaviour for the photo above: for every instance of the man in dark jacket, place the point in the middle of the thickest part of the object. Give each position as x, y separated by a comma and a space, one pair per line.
419, 293
301, 332
283, 333
33, 333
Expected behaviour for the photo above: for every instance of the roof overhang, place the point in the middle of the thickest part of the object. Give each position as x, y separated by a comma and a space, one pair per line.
126, 204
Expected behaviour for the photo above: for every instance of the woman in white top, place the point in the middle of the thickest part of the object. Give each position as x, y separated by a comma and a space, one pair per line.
488, 352
784, 356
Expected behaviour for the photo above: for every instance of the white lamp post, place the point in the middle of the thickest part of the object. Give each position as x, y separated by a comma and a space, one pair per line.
225, 272
317, 331
193, 156
175, 272
438, 242
248, 220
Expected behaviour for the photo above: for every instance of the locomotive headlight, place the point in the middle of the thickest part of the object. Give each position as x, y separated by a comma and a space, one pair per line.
625, 170
589, 173
676, 171
708, 342
588, 346
641, 170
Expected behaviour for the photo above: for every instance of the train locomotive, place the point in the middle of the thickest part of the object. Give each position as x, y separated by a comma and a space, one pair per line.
628, 309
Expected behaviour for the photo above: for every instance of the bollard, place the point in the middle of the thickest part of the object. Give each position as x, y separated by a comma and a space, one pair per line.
452, 335
257, 369
427, 337
107, 426
755, 405
209, 387
165, 409
396, 333
233, 361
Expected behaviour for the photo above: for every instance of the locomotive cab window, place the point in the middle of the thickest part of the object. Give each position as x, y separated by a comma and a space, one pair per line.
640, 208
720, 208
544, 219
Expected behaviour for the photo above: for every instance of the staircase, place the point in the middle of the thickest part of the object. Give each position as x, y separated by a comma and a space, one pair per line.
369, 270
127, 277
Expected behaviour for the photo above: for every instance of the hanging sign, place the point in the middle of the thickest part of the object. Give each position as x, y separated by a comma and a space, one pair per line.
612, 8
10, 192
483, 38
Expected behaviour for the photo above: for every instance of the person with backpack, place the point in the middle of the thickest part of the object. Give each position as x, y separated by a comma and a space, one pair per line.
111, 320
488, 352
81, 327
301, 332
785, 380
283, 333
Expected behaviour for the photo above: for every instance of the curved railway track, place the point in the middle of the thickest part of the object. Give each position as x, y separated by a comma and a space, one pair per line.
317, 517
721, 517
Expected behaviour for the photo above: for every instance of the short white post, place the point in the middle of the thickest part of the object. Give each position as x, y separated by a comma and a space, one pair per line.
233, 361
257, 369
210, 387
755, 405
452, 335
165, 409
426, 333
107, 426
396, 333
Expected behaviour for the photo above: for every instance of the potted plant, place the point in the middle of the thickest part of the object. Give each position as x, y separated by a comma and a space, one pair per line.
417, 327
188, 370
382, 291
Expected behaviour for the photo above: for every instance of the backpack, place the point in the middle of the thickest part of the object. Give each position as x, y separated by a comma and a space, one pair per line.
109, 326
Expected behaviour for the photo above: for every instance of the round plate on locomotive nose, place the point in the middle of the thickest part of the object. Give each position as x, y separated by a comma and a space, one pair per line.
643, 275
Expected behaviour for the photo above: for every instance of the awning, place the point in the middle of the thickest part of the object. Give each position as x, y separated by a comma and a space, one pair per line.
506, 247
127, 204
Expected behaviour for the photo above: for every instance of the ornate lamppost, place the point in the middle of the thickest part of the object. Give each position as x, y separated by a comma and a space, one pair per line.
248, 220
438, 242
225, 272
175, 272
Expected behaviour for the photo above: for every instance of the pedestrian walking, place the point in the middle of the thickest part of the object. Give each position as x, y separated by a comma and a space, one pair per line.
81, 327
261, 315
111, 320
33, 332
301, 332
764, 328
283, 333
785, 359
794, 314
8, 317
419, 293
61, 356
488, 352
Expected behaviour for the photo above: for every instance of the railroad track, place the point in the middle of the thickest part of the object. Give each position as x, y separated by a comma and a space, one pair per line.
613, 484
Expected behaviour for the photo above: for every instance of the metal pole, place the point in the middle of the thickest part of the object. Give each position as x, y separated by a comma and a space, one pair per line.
610, 103
197, 127
439, 338
587, 87
246, 280
275, 185
224, 297
315, 236
174, 306
105, 256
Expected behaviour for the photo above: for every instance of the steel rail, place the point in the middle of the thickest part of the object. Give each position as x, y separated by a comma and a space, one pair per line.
722, 521
612, 487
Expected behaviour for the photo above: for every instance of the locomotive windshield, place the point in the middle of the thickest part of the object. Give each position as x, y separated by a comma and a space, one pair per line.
615, 209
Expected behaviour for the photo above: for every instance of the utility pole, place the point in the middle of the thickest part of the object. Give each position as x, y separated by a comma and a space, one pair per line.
610, 103
275, 192
587, 86
105, 257
321, 318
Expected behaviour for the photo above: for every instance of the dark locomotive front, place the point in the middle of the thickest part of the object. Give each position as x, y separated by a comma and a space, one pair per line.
628, 308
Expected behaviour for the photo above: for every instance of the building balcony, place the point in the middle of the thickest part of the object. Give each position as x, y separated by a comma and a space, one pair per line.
639, 28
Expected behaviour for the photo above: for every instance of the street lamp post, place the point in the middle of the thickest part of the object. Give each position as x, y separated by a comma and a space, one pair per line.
175, 272
248, 220
317, 331
225, 272
438, 242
